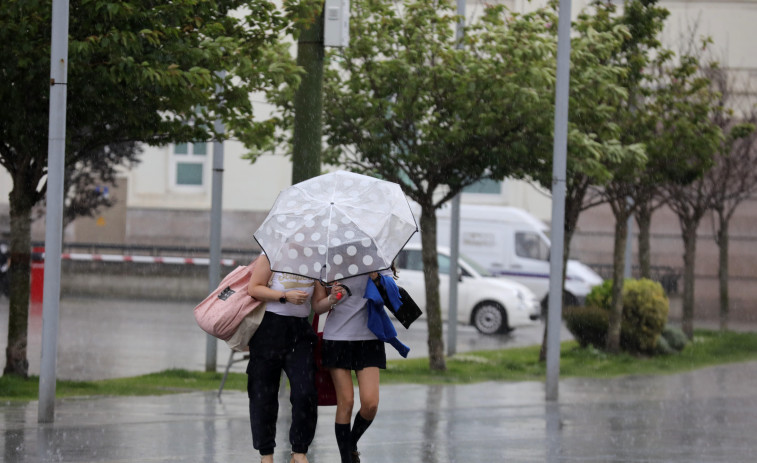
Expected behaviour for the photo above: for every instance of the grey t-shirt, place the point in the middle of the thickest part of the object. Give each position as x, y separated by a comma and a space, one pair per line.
348, 321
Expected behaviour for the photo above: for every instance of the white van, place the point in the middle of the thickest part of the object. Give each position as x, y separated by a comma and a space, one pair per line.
512, 243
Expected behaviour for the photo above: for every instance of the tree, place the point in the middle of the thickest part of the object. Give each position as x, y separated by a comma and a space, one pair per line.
692, 140
405, 103
626, 191
141, 71
733, 178
598, 86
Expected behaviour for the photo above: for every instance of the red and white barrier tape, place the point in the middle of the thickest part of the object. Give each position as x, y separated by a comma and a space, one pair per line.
143, 259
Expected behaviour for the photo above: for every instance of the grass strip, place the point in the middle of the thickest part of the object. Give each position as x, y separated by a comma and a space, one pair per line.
708, 348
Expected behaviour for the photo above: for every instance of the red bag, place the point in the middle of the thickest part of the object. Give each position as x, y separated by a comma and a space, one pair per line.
222, 311
323, 381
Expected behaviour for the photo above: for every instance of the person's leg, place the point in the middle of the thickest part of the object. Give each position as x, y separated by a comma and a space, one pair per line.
299, 366
262, 390
345, 398
263, 379
368, 386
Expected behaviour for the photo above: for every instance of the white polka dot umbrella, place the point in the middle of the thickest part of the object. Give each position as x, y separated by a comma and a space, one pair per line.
336, 226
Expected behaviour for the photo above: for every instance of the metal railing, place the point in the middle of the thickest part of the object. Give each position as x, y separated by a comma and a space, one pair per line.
667, 276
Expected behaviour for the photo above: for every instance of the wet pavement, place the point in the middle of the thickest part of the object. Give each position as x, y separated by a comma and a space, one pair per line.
707, 415
704, 416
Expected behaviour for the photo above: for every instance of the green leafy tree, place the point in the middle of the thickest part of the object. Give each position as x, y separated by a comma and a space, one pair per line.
405, 102
139, 72
644, 21
597, 88
692, 139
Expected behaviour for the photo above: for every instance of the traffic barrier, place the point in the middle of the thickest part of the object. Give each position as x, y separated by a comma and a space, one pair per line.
144, 259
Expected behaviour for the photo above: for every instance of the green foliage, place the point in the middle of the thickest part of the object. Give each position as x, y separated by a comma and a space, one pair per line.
600, 295
645, 313
587, 324
674, 337
663, 348
137, 72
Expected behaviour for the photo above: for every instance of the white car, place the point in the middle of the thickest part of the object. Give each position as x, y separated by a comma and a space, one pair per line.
491, 304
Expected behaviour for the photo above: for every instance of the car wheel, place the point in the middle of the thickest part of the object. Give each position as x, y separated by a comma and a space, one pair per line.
490, 318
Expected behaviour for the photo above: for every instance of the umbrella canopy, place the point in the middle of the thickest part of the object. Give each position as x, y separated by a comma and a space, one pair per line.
336, 226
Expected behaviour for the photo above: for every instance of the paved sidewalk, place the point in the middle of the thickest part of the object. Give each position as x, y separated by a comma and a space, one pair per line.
709, 415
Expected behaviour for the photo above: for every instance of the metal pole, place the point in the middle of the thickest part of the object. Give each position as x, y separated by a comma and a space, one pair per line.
56, 159
454, 254
214, 266
627, 271
454, 234
554, 318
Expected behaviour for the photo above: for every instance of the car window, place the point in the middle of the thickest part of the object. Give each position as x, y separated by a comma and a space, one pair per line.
531, 246
443, 264
410, 260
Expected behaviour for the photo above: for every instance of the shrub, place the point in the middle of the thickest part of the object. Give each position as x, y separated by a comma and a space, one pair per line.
663, 348
675, 337
600, 296
588, 325
645, 313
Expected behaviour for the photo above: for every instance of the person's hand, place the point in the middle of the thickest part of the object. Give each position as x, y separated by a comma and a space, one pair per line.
338, 293
296, 296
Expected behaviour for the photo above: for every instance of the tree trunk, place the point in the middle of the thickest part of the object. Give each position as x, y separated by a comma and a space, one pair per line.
431, 273
689, 235
618, 270
16, 362
573, 206
308, 104
722, 240
644, 221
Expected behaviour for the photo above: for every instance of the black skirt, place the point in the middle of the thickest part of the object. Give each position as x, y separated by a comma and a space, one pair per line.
353, 355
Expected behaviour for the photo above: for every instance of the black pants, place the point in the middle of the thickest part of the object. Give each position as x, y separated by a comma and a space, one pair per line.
282, 344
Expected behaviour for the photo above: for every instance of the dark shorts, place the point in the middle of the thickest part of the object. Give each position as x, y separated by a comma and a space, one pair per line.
353, 355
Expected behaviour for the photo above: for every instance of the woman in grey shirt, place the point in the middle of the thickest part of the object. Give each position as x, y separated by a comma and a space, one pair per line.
348, 344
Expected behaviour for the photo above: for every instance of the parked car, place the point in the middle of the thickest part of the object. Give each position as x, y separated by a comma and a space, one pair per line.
512, 243
491, 304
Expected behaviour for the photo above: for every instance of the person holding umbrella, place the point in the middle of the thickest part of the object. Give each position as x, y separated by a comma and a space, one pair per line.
343, 227
350, 344
284, 342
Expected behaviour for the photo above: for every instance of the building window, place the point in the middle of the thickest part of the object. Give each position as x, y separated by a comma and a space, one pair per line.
189, 165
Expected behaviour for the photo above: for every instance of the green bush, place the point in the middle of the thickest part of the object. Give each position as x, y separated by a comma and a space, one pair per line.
663, 348
588, 325
600, 296
645, 313
675, 337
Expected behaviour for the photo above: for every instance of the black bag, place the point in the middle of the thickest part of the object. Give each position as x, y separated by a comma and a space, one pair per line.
408, 311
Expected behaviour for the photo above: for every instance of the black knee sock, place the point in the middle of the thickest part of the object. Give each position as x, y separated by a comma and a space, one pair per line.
358, 428
343, 441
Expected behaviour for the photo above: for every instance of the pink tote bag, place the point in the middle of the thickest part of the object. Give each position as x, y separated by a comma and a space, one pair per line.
223, 310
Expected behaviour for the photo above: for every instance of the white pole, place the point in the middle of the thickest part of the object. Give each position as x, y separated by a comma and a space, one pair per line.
559, 163
56, 155
216, 208
454, 240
